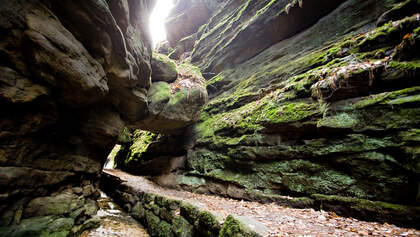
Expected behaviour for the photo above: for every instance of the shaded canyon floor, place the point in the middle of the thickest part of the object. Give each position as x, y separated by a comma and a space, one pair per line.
270, 220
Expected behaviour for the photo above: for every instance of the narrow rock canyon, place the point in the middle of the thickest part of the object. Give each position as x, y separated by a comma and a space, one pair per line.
310, 106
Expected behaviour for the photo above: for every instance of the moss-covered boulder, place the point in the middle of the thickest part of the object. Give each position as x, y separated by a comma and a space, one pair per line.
163, 68
174, 106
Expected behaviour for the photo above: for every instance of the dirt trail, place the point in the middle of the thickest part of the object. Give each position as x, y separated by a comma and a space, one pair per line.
280, 220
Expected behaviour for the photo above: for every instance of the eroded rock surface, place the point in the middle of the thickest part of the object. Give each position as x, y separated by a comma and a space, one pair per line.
308, 101
73, 75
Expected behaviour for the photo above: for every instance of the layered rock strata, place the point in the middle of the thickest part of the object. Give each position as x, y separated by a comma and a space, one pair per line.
73, 75
326, 110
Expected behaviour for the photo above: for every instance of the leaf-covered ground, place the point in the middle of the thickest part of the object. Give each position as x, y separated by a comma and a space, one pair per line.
279, 220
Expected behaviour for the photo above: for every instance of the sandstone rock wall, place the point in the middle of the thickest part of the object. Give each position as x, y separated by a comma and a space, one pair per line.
73, 74
310, 99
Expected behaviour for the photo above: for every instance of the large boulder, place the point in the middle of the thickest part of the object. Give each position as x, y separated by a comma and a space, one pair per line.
164, 69
174, 106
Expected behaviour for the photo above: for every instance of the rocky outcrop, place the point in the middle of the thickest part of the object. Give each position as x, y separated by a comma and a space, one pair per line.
303, 107
317, 117
74, 74
152, 154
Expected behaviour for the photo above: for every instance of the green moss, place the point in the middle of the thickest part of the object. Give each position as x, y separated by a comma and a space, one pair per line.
384, 98
165, 60
142, 140
286, 113
181, 227
152, 222
159, 94
148, 198
207, 224
387, 34
404, 66
410, 135
189, 211
233, 227
342, 120
363, 204
186, 68
165, 229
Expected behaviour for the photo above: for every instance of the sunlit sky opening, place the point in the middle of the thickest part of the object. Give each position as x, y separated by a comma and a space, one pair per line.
157, 20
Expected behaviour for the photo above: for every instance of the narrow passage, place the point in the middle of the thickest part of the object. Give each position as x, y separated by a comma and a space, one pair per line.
276, 220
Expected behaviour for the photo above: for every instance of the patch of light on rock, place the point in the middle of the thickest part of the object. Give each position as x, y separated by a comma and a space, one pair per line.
157, 20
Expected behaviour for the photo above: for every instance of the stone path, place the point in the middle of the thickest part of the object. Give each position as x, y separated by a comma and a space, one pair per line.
276, 220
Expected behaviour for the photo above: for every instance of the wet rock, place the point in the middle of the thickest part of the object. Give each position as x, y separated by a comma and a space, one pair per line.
163, 47
348, 81
207, 224
31, 178
138, 211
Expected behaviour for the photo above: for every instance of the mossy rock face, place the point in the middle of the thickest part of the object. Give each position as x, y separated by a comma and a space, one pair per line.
163, 68
152, 223
189, 211
158, 96
366, 209
138, 211
55, 205
150, 153
334, 114
40, 226
235, 228
181, 227
207, 225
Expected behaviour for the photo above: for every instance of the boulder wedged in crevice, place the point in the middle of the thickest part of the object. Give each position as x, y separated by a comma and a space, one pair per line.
174, 105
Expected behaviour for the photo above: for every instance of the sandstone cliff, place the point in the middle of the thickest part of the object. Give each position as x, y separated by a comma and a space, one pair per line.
316, 100
308, 103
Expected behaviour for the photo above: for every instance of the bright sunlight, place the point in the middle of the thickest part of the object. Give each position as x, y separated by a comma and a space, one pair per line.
157, 20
